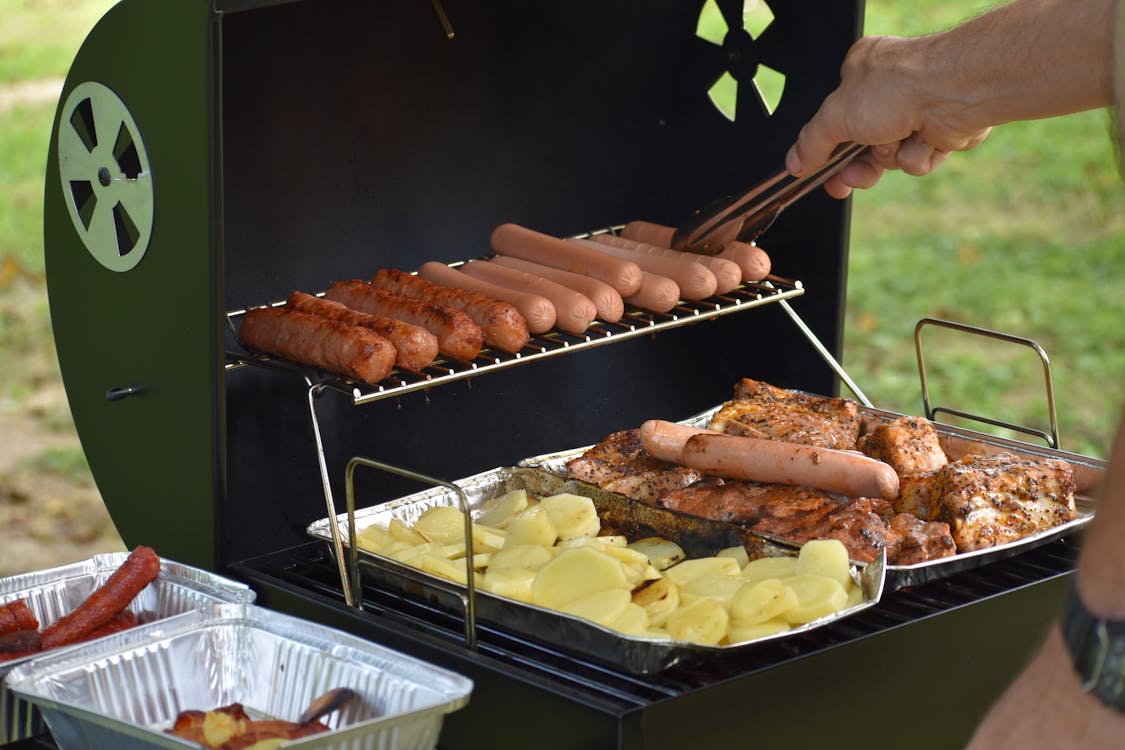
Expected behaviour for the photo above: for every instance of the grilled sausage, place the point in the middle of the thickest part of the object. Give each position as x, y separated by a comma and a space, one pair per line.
694, 279
727, 273
139, 570
607, 300
19, 643
753, 261
17, 615
520, 242
665, 440
657, 293
312, 340
415, 348
774, 461
537, 313
574, 311
503, 326
458, 336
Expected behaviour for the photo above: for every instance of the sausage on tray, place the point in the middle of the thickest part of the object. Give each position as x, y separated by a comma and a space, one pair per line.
458, 336
415, 347
504, 326
574, 311
694, 279
607, 300
521, 242
17, 615
726, 272
139, 570
312, 340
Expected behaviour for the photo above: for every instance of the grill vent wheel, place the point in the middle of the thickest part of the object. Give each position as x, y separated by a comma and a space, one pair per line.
105, 176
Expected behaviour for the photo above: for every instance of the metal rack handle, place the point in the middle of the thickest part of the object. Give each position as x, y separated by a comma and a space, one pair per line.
468, 598
1051, 439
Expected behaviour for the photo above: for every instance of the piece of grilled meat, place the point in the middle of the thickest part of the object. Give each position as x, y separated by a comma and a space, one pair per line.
764, 411
991, 500
909, 444
620, 464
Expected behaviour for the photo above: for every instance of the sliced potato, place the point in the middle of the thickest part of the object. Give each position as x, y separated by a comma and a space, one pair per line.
529, 556
531, 526
635, 565
703, 621
659, 598
575, 573
855, 595
375, 538
572, 515
488, 538
825, 557
770, 567
499, 510
817, 596
413, 554
404, 533
718, 586
601, 607
439, 565
742, 633
738, 553
633, 620
758, 601
662, 553
684, 572
441, 523
514, 583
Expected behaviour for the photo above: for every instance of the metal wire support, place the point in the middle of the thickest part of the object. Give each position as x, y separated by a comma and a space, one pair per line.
468, 599
822, 350
1051, 439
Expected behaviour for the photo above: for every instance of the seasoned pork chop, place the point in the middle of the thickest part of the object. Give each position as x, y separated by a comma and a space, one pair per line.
990, 500
909, 444
620, 464
920, 541
764, 411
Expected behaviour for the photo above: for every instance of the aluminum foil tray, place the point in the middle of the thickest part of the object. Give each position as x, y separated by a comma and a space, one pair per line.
123, 691
956, 442
637, 655
54, 592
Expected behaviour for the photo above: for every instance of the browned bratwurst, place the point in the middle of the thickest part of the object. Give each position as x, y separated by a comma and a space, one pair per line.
312, 340
458, 336
415, 347
502, 324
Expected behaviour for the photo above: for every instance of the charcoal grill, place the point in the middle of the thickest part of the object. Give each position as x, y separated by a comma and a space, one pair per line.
214, 155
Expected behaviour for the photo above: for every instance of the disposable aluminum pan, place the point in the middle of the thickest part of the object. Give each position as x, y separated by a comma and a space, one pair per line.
54, 592
956, 443
122, 692
619, 515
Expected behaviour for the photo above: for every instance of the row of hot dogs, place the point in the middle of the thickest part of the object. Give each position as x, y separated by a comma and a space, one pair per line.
535, 283
103, 612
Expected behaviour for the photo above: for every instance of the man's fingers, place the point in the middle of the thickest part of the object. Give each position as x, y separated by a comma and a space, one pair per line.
915, 156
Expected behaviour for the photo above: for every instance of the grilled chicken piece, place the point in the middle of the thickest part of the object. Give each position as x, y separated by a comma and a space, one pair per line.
909, 444
764, 411
990, 500
620, 464
916, 496
920, 541
774, 508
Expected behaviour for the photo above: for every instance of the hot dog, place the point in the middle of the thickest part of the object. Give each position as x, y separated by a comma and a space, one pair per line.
665, 440
536, 310
657, 293
19, 643
727, 273
753, 261
139, 570
17, 615
415, 347
574, 311
503, 326
606, 299
520, 242
310, 339
458, 336
843, 472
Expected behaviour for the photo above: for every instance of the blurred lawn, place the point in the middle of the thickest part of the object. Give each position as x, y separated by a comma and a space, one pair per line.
1025, 234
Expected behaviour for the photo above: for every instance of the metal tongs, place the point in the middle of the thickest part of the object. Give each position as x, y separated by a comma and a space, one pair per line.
745, 217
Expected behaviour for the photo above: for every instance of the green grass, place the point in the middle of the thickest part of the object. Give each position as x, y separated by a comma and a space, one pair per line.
1026, 234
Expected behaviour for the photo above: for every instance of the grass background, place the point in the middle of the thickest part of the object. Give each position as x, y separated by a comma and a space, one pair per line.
1026, 234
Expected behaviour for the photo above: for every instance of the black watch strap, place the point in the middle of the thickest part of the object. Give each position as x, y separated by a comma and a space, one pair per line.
1097, 647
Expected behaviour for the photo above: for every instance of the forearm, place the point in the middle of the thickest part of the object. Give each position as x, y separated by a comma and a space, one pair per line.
1101, 566
1026, 60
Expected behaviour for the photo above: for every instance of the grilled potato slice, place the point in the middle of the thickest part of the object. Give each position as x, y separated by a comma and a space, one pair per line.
684, 572
498, 511
743, 633
825, 557
658, 598
574, 573
662, 553
770, 567
758, 601
572, 515
817, 596
602, 607
531, 525
703, 621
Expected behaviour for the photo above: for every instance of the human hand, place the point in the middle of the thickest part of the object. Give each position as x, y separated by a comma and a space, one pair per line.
890, 97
